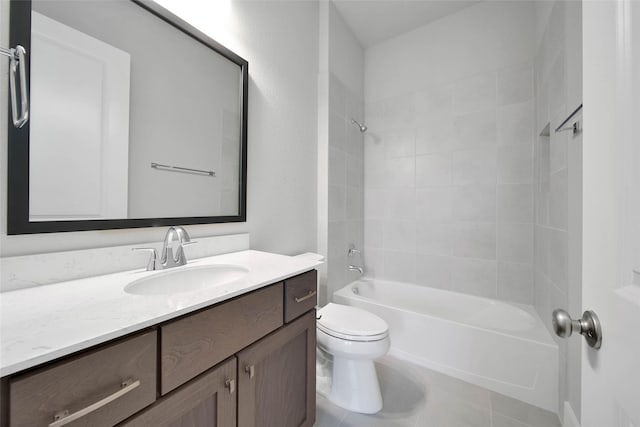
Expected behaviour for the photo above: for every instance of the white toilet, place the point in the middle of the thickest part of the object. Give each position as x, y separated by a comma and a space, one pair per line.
354, 338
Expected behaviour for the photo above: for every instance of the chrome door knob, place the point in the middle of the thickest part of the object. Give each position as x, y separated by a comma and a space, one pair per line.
588, 326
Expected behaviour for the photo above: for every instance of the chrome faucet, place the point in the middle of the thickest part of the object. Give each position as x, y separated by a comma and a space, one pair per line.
356, 268
168, 259
351, 253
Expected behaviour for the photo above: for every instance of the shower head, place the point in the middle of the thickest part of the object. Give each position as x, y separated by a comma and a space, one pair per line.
362, 128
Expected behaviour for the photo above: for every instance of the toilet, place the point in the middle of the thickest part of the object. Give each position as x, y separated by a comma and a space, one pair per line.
354, 338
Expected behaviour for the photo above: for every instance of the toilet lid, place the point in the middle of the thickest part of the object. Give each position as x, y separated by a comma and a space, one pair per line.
351, 323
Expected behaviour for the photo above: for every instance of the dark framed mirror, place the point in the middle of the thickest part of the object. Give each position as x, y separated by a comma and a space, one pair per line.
137, 119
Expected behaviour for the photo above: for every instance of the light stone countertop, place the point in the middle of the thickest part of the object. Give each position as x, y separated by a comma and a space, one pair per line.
44, 323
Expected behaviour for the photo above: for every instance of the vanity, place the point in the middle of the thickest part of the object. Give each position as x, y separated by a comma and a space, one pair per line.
241, 352
226, 340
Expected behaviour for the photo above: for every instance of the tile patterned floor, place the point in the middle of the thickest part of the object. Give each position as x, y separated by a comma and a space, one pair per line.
417, 397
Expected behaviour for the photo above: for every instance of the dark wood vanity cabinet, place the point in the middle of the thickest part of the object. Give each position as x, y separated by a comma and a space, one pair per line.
246, 362
207, 401
276, 377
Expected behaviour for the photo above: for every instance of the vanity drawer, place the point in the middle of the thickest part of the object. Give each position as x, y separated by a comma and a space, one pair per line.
195, 343
107, 386
300, 294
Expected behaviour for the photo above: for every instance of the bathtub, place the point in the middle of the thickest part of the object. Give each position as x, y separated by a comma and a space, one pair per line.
497, 345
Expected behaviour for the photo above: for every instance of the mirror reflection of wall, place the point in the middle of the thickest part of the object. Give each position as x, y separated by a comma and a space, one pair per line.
115, 89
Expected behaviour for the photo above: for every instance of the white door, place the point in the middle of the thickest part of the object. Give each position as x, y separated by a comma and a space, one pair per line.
79, 130
611, 213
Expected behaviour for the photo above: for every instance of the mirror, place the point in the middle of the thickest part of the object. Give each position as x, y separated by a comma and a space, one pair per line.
137, 119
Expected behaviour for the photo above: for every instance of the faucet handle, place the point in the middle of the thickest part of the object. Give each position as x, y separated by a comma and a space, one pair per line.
153, 259
352, 250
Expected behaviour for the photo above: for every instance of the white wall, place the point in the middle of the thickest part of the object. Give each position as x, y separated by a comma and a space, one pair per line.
282, 132
449, 153
481, 38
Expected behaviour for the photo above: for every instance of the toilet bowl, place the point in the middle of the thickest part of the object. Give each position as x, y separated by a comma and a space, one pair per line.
354, 338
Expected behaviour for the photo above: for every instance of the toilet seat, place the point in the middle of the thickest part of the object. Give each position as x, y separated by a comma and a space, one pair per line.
351, 323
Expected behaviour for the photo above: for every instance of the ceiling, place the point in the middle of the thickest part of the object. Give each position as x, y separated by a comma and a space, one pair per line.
373, 21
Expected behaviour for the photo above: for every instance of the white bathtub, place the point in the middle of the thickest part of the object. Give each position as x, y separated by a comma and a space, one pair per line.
501, 346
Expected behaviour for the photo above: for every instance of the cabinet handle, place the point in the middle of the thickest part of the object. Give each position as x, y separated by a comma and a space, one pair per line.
251, 370
311, 294
230, 384
63, 417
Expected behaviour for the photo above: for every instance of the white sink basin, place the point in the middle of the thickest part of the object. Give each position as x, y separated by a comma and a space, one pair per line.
186, 279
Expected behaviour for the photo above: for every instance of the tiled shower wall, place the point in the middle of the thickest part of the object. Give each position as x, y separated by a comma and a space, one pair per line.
346, 184
558, 186
448, 189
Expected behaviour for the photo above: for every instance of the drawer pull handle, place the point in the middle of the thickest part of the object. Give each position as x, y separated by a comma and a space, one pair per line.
63, 417
311, 294
251, 370
230, 384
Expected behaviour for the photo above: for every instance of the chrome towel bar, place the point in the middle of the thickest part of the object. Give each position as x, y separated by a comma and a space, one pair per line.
181, 169
575, 127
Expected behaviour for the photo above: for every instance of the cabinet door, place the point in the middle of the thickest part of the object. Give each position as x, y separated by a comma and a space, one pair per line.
277, 377
207, 401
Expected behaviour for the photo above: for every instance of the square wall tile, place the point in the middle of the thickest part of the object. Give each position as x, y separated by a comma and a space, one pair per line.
515, 282
375, 166
475, 93
337, 167
355, 233
434, 135
433, 238
355, 172
354, 204
474, 240
400, 266
558, 150
433, 169
394, 113
515, 85
433, 204
433, 271
473, 276
400, 236
515, 124
400, 172
373, 261
337, 132
515, 203
337, 244
559, 200
515, 164
337, 203
337, 96
474, 203
374, 203
515, 242
354, 145
400, 204
434, 102
398, 142
475, 130
374, 233
558, 258
474, 166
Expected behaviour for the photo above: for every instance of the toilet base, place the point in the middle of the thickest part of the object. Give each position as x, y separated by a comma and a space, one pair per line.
355, 386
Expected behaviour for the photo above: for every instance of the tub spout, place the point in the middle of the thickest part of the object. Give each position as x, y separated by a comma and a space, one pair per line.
355, 268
